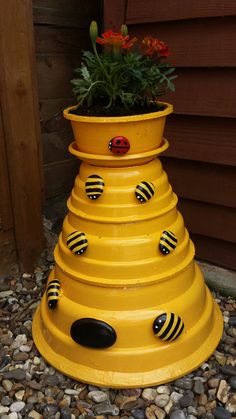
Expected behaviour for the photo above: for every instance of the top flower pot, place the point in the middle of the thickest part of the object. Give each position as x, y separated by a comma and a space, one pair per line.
93, 134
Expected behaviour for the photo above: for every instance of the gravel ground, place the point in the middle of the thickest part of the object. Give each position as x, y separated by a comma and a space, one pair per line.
30, 388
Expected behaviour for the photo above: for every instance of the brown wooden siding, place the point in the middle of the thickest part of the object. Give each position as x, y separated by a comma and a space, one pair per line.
61, 33
201, 159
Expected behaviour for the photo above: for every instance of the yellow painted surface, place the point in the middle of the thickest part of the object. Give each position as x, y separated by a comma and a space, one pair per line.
124, 279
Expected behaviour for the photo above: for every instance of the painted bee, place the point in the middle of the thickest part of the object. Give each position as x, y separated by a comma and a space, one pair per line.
94, 186
77, 242
53, 293
168, 326
144, 191
168, 242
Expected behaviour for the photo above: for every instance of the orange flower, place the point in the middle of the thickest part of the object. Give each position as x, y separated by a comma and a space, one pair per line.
110, 38
154, 46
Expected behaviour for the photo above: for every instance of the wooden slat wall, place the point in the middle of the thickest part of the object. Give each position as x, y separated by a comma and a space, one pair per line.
201, 159
61, 33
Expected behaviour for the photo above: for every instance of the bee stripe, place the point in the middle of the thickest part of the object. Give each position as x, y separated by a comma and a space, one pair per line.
174, 329
167, 243
93, 190
179, 332
76, 236
52, 294
80, 245
168, 323
170, 235
149, 186
145, 190
165, 321
50, 287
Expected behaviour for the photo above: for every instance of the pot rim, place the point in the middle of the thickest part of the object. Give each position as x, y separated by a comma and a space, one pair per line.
117, 119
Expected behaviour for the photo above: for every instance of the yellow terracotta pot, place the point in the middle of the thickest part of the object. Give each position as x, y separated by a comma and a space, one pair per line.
93, 134
125, 305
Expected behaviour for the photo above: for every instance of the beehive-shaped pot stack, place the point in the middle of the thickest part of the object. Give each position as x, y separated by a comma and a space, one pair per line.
127, 305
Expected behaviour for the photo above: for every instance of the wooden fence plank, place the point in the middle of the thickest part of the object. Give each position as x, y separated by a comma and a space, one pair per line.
218, 252
74, 15
206, 92
54, 75
54, 40
21, 128
114, 13
209, 220
204, 139
60, 176
5, 197
195, 43
204, 182
139, 11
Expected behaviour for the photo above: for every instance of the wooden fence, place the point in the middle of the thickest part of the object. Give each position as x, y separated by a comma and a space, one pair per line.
201, 159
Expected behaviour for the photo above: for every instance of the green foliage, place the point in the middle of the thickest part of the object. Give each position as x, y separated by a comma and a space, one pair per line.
131, 79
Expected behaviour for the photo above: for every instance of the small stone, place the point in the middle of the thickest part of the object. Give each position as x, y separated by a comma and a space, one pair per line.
7, 385
159, 413
184, 383
202, 401
35, 415
221, 413
222, 392
198, 387
65, 413
213, 382
71, 392
185, 401
175, 397
20, 356
163, 390
6, 401
228, 370
232, 321
36, 360
4, 294
4, 409
231, 404
17, 406
106, 409
97, 396
161, 400
51, 380
178, 414
138, 413
18, 341
221, 359
126, 403
17, 374
191, 417
149, 413
149, 394
13, 415
34, 385
20, 394
201, 411
232, 382
169, 406
50, 410
25, 348
5, 360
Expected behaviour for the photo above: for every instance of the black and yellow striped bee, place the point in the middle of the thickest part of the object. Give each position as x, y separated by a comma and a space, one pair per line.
77, 242
144, 191
94, 186
168, 326
53, 290
168, 242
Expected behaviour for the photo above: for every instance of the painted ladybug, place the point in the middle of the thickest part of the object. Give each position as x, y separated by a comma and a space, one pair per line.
119, 145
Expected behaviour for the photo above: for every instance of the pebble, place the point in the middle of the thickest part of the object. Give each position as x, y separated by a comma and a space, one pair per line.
138, 413
186, 400
163, 390
4, 409
149, 394
13, 415
221, 413
228, 370
18, 374
185, 383
7, 385
232, 382
97, 396
213, 382
161, 400
17, 406
4, 294
222, 392
65, 413
198, 387
106, 409
178, 414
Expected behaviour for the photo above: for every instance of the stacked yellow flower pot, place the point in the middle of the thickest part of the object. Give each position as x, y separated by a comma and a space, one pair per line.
126, 305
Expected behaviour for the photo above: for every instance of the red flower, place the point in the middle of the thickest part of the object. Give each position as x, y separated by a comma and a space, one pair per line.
155, 46
111, 38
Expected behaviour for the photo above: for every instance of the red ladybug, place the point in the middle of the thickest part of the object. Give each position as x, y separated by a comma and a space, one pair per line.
119, 145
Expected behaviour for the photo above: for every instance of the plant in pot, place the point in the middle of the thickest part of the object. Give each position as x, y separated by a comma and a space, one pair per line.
117, 92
